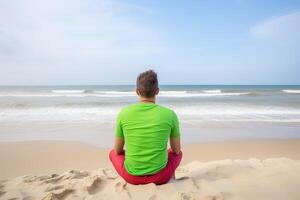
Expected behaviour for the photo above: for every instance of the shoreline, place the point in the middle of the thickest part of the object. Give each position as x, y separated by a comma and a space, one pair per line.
45, 156
100, 133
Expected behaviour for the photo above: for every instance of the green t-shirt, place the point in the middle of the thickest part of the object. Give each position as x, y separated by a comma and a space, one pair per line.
146, 128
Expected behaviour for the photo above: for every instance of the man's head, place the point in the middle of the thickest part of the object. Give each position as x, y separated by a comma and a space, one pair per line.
147, 84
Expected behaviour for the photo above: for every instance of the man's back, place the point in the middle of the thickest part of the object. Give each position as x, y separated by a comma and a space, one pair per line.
146, 128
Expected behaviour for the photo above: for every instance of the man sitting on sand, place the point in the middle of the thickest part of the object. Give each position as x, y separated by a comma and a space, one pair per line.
145, 128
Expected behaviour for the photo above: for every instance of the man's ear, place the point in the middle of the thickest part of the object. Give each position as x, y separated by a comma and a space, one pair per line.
137, 92
157, 91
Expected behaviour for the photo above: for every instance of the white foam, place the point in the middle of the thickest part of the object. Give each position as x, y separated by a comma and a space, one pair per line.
121, 93
59, 113
186, 95
45, 95
292, 91
131, 93
190, 113
239, 113
212, 91
116, 94
173, 92
68, 91
247, 110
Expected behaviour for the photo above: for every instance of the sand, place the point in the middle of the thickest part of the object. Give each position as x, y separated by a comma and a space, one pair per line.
257, 169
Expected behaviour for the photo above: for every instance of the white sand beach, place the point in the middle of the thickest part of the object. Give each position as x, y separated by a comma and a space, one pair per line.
257, 169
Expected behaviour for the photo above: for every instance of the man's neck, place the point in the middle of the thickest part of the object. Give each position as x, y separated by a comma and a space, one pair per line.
147, 100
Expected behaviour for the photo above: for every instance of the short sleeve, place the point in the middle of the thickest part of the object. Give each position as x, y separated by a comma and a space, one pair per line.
119, 129
175, 131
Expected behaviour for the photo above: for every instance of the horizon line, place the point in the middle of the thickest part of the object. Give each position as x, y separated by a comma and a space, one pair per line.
45, 85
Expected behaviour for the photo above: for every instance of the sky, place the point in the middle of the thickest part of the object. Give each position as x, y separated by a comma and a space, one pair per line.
73, 42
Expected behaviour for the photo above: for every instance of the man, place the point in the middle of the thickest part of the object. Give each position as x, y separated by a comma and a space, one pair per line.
145, 128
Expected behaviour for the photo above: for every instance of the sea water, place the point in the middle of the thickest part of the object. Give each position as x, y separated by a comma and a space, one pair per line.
73, 112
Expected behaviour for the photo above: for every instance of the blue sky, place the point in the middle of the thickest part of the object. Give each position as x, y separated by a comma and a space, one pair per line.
186, 42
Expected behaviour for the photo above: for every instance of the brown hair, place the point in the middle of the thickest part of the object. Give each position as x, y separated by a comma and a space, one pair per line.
147, 83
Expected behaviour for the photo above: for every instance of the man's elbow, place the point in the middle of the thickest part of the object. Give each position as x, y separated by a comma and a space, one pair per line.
119, 151
119, 145
175, 145
176, 151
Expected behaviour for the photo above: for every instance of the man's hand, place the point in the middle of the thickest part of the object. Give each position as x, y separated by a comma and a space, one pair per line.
119, 145
175, 144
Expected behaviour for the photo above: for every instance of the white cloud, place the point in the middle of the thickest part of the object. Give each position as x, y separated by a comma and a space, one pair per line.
54, 35
285, 28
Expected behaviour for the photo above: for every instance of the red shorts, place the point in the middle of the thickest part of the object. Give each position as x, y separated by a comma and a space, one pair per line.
159, 178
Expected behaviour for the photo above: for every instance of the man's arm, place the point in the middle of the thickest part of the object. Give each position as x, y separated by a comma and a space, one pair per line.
175, 135
119, 136
119, 145
175, 144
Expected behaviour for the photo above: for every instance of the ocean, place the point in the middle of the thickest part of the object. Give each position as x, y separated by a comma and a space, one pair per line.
72, 112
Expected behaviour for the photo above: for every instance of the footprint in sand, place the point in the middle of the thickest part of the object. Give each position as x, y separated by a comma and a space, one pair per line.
72, 174
2, 191
110, 174
56, 195
52, 188
92, 184
44, 179
31, 179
